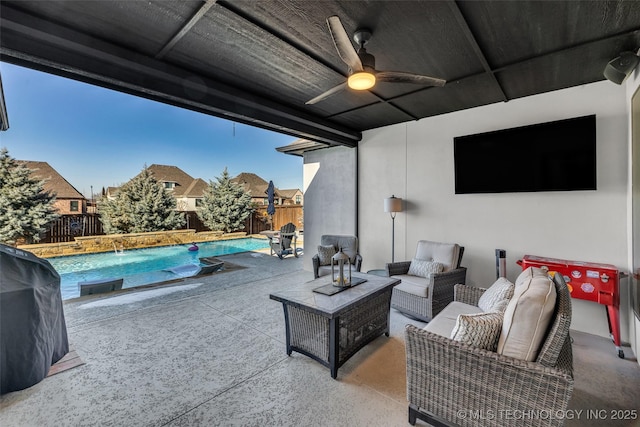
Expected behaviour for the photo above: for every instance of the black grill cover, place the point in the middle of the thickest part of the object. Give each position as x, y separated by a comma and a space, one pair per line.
33, 333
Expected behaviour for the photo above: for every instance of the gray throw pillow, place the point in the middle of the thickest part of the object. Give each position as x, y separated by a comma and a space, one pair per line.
480, 330
424, 268
325, 253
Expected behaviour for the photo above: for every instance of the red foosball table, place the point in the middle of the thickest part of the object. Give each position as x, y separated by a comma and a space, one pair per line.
588, 281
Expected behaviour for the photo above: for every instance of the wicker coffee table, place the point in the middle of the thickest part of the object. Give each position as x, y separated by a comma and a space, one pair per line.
331, 329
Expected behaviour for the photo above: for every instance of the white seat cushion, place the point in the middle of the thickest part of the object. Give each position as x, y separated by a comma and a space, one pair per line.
349, 244
445, 321
527, 273
445, 253
527, 316
414, 285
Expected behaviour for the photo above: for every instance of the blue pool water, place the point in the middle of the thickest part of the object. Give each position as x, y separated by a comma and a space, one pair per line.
141, 266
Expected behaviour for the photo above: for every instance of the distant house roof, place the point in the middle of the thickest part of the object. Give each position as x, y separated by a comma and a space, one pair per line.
254, 185
250, 180
53, 181
196, 188
166, 173
290, 193
185, 184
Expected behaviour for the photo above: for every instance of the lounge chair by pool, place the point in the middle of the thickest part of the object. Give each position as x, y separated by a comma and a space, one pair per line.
210, 268
189, 270
100, 286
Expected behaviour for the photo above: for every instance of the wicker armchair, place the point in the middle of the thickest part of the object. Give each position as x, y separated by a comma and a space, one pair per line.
452, 383
423, 298
349, 245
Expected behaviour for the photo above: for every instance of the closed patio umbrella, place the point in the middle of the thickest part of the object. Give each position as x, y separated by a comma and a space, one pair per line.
271, 209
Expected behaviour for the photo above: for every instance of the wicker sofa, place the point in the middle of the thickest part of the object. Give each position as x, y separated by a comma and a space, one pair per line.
424, 297
449, 382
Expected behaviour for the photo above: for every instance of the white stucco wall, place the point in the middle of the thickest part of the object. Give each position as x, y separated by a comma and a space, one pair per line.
414, 161
632, 85
330, 191
185, 204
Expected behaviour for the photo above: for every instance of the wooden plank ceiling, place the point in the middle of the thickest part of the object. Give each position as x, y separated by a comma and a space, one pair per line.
258, 62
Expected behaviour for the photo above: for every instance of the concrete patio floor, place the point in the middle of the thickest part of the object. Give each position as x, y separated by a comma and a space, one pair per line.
210, 351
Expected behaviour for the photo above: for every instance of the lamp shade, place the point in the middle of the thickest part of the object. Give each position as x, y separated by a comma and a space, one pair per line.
393, 204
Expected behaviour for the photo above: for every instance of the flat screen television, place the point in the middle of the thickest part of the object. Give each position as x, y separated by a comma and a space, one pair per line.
553, 156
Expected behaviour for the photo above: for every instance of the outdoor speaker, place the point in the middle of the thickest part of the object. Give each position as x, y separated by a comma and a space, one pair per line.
618, 69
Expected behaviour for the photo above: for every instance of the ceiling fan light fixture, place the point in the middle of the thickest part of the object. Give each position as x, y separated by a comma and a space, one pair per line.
362, 65
361, 80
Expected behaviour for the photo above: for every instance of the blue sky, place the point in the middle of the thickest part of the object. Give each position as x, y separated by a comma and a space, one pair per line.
99, 137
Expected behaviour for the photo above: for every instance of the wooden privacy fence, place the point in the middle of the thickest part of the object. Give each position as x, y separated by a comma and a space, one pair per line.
193, 222
284, 215
258, 221
67, 227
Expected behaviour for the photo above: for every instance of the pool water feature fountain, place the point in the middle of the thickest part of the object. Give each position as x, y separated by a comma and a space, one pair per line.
116, 251
142, 266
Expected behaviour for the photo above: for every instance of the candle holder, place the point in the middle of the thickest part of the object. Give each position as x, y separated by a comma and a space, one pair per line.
338, 262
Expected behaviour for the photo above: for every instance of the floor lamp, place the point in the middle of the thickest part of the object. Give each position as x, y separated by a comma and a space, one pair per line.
392, 205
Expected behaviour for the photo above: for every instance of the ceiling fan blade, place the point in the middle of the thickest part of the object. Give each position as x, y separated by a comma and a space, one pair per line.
343, 44
327, 94
401, 77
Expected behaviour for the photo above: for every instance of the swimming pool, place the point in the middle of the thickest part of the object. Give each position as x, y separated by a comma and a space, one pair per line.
141, 266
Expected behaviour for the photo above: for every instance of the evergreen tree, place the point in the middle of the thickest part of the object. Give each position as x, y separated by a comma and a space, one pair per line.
140, 205
25, 208
115, 214
225, 205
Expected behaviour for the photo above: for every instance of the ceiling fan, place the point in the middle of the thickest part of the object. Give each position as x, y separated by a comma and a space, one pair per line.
362, 72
